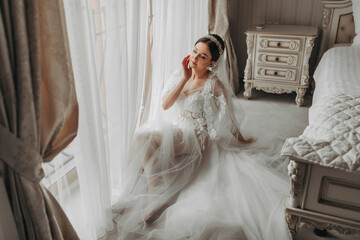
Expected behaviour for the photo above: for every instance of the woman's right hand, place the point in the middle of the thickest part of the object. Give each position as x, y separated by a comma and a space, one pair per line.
249, 140
241, 138
186, 69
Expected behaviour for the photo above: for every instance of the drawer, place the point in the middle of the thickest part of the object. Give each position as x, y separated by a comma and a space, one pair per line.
334, 192
279, 59
279, 44
273, 73
339, 193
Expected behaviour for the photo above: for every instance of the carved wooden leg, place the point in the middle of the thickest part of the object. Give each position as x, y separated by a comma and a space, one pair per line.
293, 223
247, 92
296, 171
300, 96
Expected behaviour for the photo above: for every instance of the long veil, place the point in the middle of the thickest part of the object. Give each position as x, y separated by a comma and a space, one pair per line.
237, 114
237, 111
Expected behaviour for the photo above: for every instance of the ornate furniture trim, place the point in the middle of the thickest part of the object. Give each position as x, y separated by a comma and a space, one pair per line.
337, 24
278, 59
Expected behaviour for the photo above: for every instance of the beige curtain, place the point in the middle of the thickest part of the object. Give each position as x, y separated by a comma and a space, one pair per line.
219, 24
38, 111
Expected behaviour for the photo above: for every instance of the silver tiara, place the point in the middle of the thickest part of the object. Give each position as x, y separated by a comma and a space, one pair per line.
218, 44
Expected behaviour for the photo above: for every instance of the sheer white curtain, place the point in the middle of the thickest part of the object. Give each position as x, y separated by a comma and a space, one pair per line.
127, 56
176, 27
122, 53
108, 49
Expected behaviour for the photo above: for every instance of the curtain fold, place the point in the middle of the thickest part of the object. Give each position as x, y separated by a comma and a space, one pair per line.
38, 111
108, 43
219, 24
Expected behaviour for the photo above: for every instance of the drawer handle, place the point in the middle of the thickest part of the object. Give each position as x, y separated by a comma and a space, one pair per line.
277, 59
278, 44
275, 73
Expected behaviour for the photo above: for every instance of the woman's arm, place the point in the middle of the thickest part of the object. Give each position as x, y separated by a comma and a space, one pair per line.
170, 97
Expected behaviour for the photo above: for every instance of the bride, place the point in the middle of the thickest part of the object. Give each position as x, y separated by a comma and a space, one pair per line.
197, 177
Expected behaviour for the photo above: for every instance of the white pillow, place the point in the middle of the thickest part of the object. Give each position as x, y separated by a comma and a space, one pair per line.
356, 13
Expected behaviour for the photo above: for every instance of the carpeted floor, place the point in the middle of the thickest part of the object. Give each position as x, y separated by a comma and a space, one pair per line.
274, 115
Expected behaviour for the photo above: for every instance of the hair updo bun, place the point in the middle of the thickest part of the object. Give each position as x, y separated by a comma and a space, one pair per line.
213, 46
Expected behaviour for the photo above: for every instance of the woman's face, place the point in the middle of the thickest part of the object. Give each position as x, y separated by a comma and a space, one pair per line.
200, 57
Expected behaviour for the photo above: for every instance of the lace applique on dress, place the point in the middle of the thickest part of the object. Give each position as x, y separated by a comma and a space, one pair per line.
209, 113
214, 108
203, 109
199, 122
194, 112
220, 103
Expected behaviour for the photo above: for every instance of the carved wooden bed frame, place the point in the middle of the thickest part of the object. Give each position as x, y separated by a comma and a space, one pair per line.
337, 24
338, 28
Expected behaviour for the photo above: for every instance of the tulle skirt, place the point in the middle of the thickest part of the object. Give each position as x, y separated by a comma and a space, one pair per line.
174, 190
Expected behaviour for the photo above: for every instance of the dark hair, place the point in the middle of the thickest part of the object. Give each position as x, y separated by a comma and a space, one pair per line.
214, 50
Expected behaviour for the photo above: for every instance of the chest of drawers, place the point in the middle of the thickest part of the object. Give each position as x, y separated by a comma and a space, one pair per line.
278, 59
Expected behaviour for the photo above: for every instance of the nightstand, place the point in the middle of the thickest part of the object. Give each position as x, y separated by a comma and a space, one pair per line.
278, 59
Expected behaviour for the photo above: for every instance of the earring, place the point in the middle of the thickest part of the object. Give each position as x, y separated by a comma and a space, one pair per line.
209, 68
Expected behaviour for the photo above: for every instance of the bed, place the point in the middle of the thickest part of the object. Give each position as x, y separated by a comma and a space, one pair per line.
324, 165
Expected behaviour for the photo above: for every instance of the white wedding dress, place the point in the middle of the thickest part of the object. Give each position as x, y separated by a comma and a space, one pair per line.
192, 179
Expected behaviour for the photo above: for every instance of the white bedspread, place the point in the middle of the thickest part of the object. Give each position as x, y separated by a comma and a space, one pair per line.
338, 72
332, 139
